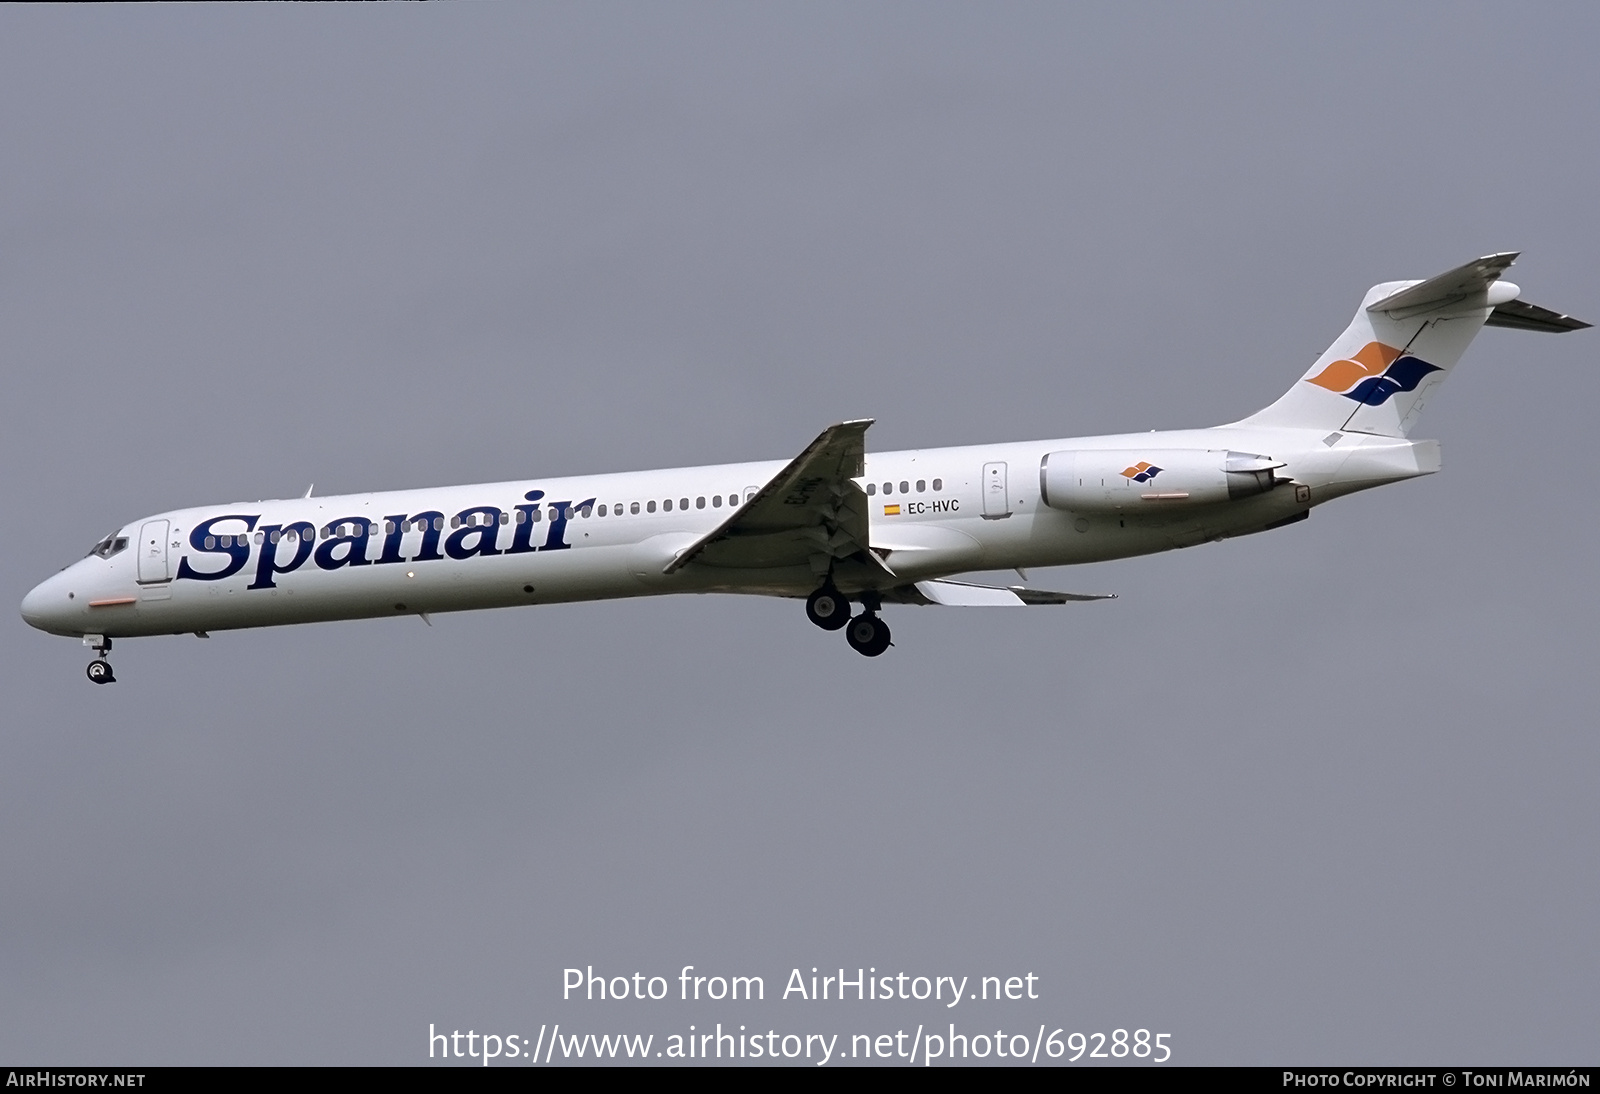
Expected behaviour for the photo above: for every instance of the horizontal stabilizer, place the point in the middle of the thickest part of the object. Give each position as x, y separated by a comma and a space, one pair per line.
1520, 315
965, 594
1447, 288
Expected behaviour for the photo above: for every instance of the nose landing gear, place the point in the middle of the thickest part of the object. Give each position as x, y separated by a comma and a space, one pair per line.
99, 669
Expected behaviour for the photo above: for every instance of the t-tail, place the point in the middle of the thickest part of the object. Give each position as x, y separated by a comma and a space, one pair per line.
1402, 343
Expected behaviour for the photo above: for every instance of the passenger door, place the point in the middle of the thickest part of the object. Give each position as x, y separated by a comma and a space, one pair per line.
996, 499
153, 553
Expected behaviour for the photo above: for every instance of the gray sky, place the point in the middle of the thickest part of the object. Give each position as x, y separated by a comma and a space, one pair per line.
1322, 795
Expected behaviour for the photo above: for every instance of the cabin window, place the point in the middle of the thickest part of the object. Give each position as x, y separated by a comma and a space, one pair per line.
585, 511
922, 486
455, 522
634, 508
274, 537
872, 488
905, 488
666, 506
211, 541
683, 503
505, 518
602, 509
699, 503
649, 507
716, 501
261, 537
938, 484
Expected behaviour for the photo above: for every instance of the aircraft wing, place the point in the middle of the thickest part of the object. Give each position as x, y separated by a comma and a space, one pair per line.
811, 511
966, 594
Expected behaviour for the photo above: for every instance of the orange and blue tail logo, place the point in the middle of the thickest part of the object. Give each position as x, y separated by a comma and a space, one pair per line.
1141, 471
1374, 374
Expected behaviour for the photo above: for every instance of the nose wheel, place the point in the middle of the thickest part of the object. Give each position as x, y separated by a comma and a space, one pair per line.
99, 669
867, 634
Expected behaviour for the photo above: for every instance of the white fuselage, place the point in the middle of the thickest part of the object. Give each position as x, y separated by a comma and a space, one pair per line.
933, 513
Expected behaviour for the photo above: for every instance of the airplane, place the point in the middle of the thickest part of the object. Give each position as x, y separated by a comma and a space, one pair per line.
837, 525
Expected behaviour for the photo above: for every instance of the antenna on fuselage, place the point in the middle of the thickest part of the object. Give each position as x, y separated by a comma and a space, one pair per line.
310, 488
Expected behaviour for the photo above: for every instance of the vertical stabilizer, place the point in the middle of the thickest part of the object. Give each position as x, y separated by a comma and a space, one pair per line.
1402, 343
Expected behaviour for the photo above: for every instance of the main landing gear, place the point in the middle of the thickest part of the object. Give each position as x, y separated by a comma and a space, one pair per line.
867, 634
99, 669
829, 609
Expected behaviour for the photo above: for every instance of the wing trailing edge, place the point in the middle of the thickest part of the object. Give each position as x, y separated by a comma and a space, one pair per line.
967, 594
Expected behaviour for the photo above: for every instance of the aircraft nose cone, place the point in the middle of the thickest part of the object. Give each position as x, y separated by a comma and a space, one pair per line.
33, 606
46, 605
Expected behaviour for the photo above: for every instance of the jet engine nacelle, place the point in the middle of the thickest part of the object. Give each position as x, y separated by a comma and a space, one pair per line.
1095, 479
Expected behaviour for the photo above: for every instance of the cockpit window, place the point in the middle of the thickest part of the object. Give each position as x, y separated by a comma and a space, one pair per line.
109, 546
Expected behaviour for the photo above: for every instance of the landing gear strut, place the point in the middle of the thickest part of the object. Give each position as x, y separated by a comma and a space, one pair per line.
99, 669
828, 608
867, 634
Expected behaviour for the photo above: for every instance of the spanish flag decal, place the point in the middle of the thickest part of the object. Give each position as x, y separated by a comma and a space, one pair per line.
891, 510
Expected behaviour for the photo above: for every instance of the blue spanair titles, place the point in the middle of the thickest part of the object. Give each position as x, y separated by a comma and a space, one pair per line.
284, 548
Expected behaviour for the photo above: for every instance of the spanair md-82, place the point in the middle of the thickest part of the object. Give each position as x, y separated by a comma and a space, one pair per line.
845, 529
